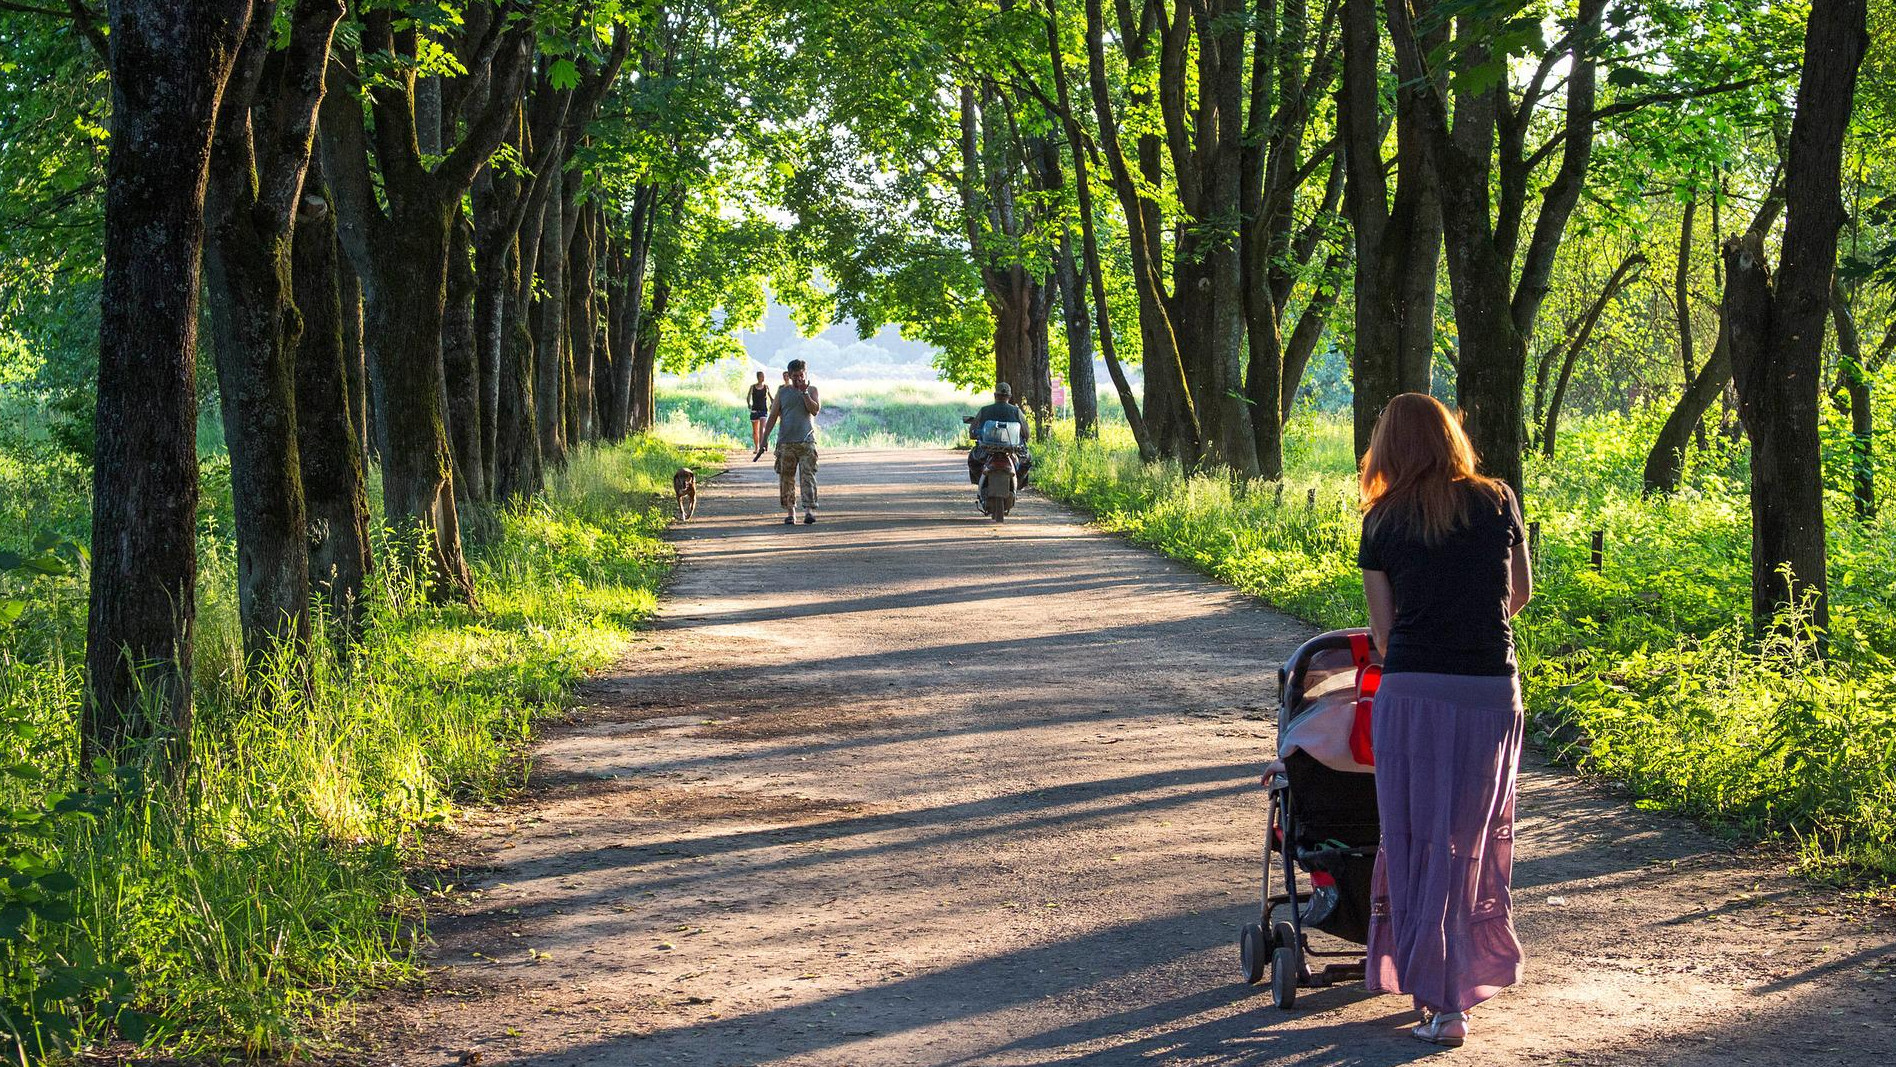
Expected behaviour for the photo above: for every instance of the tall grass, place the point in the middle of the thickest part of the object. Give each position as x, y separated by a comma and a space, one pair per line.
1642, 672
221, 915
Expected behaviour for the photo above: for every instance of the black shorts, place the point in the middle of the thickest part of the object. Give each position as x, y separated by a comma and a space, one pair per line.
759, 416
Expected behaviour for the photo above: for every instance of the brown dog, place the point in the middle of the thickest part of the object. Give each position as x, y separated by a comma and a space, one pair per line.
685, 488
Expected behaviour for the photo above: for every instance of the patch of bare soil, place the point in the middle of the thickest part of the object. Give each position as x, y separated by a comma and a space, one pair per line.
911, 787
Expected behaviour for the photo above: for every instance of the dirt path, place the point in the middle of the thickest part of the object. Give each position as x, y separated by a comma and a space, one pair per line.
907, 787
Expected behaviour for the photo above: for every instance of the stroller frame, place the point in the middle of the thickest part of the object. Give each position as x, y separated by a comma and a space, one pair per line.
1281, 947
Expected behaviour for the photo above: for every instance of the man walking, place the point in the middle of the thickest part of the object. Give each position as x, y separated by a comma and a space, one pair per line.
796, 407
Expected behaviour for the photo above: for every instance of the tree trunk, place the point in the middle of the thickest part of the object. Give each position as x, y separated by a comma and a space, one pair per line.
406, 308
171, 60
1681, 303
460, 364
1398, 241
549, 321
1665, 463
631, 296
355, 359
518, 471
340, 557
1171, 415
645, 358
1777, 329
1308, 333
1853, 381
247, 275
259, 160
401, 250
611, 302
523, 467
582, 320
1483, 216
1089, 241
1621, 278
493, 246
1083, 393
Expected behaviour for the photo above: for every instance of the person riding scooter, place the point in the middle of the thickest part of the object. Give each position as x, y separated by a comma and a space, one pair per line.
1002, 411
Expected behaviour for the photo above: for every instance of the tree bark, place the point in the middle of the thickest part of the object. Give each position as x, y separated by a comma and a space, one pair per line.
401, 253
355, 360
1083, 393
259, 158
171, 60
583, 319
1171, 413
1681, 302
518, 472
645, 358
1621, 278
1089, 240
1399, 240
460, 364
1482, 211
1777, 330
1665, 462
629, 295
334, 486
549, 333
1853, 381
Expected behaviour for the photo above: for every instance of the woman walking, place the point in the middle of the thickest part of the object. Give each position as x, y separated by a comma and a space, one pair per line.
1445, 568
760, 410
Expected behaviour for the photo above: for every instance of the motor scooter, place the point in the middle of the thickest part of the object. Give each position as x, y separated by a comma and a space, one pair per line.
1000, 457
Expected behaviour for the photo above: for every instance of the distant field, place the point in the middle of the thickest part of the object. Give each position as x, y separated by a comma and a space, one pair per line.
855, 415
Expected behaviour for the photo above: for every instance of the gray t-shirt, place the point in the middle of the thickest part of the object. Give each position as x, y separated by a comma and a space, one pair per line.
795, 425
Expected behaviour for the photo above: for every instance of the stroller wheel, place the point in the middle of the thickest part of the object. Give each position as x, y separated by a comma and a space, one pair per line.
1254, 953
1284, 935
1284, 977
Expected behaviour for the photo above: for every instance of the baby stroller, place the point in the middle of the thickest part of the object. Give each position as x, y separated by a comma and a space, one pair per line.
1323, 819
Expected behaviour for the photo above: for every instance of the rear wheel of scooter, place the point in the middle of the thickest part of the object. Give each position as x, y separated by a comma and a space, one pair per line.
1253, 953
1284, 976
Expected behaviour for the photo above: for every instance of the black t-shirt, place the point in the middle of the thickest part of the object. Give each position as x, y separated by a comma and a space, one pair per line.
759, 398
1451, 598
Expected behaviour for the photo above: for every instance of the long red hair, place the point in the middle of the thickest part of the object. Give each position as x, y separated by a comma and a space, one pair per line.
1418, 463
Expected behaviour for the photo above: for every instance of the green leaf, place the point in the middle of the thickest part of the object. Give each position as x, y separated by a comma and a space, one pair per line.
58, 882
1480, 77
47, 564
10, 611
563, 75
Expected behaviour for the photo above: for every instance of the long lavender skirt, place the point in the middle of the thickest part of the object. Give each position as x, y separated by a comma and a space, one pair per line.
1448, 748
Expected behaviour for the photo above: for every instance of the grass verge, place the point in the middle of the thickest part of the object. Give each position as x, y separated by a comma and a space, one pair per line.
219, 918
1641, 671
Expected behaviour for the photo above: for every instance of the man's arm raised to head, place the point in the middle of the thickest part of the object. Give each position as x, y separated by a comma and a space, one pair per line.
810, 402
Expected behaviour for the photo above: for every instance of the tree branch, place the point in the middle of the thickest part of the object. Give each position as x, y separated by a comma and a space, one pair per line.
486, 130
1624, 107
296, 93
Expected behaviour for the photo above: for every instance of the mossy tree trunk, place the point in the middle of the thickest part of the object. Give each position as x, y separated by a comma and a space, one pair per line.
265, 128
171, 61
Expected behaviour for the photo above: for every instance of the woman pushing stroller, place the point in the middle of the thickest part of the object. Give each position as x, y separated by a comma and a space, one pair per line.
1445, 569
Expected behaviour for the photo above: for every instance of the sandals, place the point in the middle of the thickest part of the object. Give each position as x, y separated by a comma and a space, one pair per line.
1448, 1029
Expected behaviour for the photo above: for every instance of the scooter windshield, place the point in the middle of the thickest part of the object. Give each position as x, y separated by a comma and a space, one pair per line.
994, 432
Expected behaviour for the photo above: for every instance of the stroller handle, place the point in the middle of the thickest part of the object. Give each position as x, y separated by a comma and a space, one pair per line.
1290, 677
